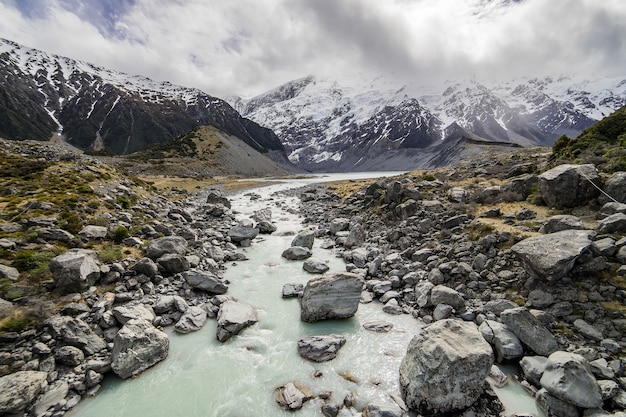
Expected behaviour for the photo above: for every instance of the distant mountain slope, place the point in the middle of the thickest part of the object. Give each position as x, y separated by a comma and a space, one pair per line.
361, 123
103, 110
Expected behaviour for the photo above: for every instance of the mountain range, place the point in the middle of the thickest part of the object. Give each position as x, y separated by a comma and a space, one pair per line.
329, 124
320, 123
97, 109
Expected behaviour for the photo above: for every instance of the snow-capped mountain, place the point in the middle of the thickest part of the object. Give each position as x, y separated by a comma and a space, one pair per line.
99, 109
364, 124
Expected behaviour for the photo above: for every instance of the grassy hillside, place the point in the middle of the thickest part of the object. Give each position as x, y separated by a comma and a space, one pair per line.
603, 144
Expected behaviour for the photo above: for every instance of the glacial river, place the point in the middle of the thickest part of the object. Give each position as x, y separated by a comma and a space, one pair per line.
202, 377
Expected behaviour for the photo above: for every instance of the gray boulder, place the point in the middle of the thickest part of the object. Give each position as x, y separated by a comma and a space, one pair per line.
297, 253
554, 407
145, 266
338, 224
19, 390
378, 326
169, 304
291, 396
75, 270
331, 296
562, 222
614, 187
164, 245
60, 235
440, 294
533, 368
445, 367
292, 290
552, 256
173, 263
356, 236
613, 223
588, 330
568, 186
320, 348
568, 377
125, 313
8, 272
305, 238
69, 355
240, 233
379, 409
266, 227
91, 232
529, 330
216, 197
315, 267
205, 281
136, 347
233, 317
505, 343
6, 308
75, 332
192, 320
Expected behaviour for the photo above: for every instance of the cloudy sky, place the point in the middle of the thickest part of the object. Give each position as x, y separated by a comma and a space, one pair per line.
245, 47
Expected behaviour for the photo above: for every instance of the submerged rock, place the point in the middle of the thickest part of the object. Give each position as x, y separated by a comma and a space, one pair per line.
445, 367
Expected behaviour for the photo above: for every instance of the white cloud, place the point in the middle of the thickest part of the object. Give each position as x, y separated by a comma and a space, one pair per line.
248, 46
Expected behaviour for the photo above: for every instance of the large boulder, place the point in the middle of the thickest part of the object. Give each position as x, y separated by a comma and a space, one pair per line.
445, 367
145, 266
173, 263
562, 222
18, 390
91, 232
297, 253
505, 343
529, 330
205, 281
192, 320
331, 296
164, 245
320, 348
125, 313
615, 187
568, 186
613, 223
305, 238
75, 270
233, 317
138, 346
239, 234
75, 332
568, 377
216, 197
552, 256
440, 294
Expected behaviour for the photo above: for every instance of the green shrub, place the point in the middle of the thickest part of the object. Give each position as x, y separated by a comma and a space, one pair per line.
120, 234
110, 253
71, 222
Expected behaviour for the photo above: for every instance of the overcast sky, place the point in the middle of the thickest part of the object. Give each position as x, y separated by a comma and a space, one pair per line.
246, 47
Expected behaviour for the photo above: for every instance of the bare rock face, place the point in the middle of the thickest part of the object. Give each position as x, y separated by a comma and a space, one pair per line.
568, 377
138, 346
19, 390
553, 255
331, 296
568, 186
233, 317
445, 367
75, 270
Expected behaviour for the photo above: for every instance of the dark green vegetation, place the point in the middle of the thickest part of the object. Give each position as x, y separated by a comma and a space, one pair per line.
603, 144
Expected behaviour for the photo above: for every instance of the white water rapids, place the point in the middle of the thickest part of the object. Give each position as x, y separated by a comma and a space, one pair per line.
202, 377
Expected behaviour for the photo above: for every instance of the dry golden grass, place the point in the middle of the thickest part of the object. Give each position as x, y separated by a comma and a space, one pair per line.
346, 188
191, 185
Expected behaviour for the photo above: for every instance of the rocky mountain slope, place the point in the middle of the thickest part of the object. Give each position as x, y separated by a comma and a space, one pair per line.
97, 109
364, 124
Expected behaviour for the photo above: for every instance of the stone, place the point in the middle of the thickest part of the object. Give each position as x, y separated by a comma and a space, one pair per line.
320, 348
233, 317
205, 281
540, 299
18, 390
291, 396
588, 330
569, 186
331, 296
554, 407
173, 263
506, 345
530, 331
126, 312
216, 197
458, 195
8, 272
552, 256
568, 377
266, 227
55, 393
305, 238
292, 290
356, 236
445, 367
240, 233
379, 326
75, 270
315, 267
379, 409
297, 253
562, 222
70, 356
533, 368
145, 266
338, 224
193, 319
75, 332
166, 245
615, 187
442, 311
440, 294
169, 304
91, 232
136, 347
60, 235
392, 307
615, 223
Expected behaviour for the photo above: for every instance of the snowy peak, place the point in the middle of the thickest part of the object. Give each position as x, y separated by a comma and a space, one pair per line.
324, 122
99, 109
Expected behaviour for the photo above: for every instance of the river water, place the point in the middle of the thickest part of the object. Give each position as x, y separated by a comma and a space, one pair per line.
202, 377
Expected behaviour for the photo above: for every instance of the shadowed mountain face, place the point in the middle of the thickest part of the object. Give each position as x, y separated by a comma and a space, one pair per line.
103, 110
357, 124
